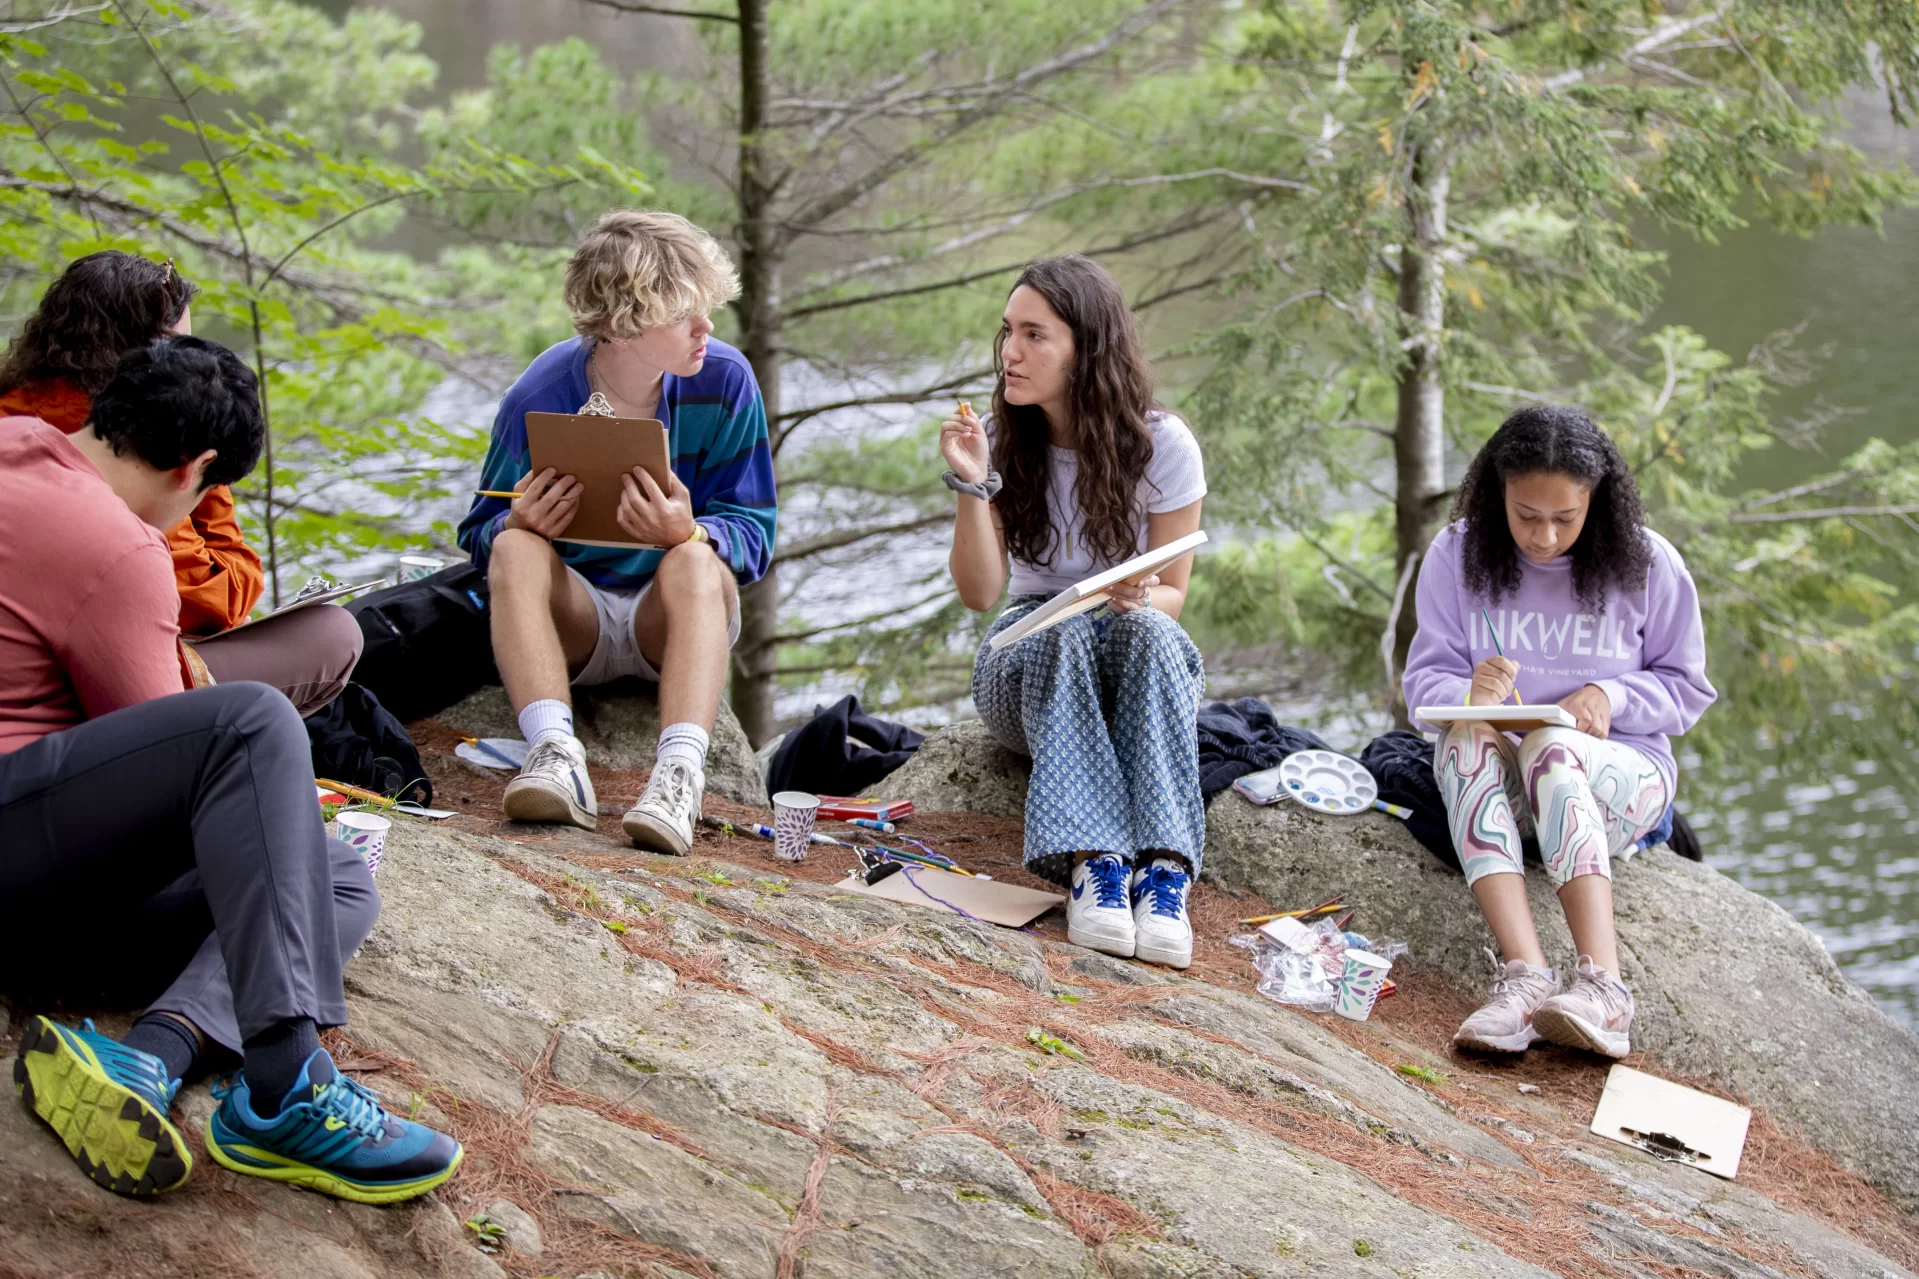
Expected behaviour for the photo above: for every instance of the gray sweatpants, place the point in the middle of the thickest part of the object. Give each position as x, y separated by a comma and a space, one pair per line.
175, 851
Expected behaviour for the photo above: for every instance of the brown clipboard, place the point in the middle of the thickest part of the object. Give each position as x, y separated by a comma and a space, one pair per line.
597, 451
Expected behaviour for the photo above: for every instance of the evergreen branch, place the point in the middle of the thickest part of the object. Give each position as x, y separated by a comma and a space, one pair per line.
1332, 556
795, 637
1651, 44
1801, 490
848, 537
702, 15
1822, 513
970, 277
934, 392
825, 206
50, 19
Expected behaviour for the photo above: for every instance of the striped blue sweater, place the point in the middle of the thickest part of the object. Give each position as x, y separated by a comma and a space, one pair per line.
717, 426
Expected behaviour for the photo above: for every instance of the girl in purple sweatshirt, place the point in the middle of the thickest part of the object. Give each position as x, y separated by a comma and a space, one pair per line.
1594, 612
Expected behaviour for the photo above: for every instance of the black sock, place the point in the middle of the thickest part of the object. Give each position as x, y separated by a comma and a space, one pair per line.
169, 1039
273, 1061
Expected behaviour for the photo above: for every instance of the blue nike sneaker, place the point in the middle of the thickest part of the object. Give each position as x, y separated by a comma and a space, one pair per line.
107, 1103
331, 1135
1098, 915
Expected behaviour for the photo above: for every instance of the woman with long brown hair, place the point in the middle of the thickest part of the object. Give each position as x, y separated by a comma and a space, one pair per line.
101, 307
1076, 470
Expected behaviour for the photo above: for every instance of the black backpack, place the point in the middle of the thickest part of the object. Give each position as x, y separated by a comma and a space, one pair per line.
357, 741
429, 642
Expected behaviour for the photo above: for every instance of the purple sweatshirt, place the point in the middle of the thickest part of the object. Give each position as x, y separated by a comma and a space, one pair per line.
1647, 650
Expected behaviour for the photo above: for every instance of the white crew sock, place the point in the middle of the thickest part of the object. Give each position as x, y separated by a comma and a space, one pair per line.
544, 719
687, 741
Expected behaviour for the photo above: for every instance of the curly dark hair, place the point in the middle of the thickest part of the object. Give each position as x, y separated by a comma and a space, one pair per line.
172, 399
102, 306
1612, 550
1110, 393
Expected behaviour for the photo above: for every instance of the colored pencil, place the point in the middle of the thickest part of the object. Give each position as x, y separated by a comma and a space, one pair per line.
1500, 649
479, 745
496, 493
1331, 903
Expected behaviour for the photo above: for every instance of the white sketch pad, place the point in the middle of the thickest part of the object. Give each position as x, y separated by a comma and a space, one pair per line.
1514, 719
1091, 593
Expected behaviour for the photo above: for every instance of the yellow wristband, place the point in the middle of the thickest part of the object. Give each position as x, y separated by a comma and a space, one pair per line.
699, 533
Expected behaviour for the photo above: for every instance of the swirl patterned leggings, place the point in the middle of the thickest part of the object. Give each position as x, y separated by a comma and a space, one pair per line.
1588, 799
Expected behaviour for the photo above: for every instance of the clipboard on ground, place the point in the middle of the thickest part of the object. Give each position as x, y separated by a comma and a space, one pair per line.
1508, 719
1008, 905
332, 595
1084, 596
597, 451
1672, 1122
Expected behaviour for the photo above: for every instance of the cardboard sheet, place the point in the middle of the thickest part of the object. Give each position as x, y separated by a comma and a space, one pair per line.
597, 451
1672, 1121
1008, 905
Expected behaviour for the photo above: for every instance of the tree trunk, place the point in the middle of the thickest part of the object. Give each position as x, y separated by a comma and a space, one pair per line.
1419, 431
756, 658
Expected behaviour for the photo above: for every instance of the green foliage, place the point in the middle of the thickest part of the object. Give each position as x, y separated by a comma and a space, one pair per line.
255, 145
1526, 146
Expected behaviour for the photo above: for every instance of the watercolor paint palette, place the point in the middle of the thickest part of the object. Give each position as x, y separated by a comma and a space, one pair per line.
1328, 782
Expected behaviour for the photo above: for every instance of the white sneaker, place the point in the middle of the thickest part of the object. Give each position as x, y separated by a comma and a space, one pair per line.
662, 819
1162, 931
1097, 916
553, 785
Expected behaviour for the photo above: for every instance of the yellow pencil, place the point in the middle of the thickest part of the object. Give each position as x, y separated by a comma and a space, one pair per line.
496, 493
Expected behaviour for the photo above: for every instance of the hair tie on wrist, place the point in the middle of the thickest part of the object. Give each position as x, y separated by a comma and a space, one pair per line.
981, 489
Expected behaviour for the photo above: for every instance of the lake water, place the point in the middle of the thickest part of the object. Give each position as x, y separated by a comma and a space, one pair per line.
1839, 852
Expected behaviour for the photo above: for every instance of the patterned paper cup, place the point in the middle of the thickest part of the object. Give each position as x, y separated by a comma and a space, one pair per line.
366, 834
793, 813
415, 567
1360, 979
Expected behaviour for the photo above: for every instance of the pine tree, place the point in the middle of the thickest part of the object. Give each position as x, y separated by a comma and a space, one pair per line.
1479, 176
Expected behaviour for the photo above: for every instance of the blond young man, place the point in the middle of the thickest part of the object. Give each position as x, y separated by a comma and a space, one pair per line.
641, 288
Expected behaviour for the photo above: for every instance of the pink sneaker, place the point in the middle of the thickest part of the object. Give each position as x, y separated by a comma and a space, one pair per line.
1505, 1023
1596, 1014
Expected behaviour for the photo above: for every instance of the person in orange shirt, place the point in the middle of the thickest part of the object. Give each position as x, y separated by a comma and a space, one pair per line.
102, 306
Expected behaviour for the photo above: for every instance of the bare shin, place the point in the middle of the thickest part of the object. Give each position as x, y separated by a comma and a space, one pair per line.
681, 627
1502, 898
1587, 901
543, 622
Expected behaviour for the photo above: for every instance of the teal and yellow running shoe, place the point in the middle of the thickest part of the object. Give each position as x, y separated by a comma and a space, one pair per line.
331, 1135
107, 1102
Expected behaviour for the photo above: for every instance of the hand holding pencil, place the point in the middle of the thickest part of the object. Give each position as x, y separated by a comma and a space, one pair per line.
546, 503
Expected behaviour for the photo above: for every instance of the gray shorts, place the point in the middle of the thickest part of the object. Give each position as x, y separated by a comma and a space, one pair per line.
617, 652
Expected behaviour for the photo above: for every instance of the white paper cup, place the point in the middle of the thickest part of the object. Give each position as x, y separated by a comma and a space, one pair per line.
793, 814
1360, 980
415, 567
366, 834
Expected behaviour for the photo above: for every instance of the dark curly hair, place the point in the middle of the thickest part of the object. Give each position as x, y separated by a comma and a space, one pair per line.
172, 399
1612, 550
101, 307
1110, 393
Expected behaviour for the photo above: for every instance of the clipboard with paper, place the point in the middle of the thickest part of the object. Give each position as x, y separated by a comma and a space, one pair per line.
597, 449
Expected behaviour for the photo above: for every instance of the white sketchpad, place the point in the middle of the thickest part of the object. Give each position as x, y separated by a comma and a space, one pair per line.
1091, 593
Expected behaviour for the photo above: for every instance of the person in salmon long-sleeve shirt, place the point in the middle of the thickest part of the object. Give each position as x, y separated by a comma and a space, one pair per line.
102, 306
